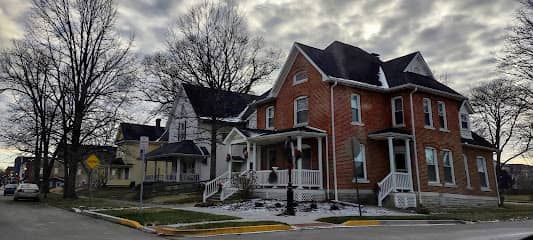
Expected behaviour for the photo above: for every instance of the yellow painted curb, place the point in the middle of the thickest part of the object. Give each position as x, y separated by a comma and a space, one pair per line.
362, 223
216, 231
130, 223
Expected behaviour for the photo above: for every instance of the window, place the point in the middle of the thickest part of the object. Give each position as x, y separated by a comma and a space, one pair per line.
300, 111
443, 122
432, 165
300, 77
482, 171
447, 165
182, 130
270, 117
360, 164
126, 173
397, 111
464, 121
356, 108
428, 120
467, 173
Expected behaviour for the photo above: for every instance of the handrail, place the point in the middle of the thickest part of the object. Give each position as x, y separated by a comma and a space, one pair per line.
212, 187
386, 186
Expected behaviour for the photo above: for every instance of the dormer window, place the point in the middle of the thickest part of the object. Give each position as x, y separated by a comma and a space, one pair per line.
299, 77
270, 117
397, 111
464, 121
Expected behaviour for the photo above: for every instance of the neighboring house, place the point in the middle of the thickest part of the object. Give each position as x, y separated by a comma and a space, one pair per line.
23, 168
186, 156
522, 175
414, 133
127, 166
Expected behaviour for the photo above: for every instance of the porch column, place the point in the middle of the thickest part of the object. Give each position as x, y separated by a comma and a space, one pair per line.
248, 158
391, 160
299, 147
178, 168
319, 140
230, 159
166, 170
254, 160
408, 159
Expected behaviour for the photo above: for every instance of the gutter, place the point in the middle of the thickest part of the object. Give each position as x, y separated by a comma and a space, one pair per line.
332, 107
414, 145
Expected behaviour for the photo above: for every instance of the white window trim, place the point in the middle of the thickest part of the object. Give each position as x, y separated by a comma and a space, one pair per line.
362, 153
467, 121
467, 173
445, 116
393, 107
296, 124
487, 188
360, 122
295, 82
266, 117
431, 125
453, 183
435, 155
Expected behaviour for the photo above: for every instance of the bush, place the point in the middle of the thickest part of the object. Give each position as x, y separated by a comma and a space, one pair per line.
422, 210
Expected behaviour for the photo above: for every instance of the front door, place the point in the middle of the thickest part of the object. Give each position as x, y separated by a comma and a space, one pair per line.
400, 162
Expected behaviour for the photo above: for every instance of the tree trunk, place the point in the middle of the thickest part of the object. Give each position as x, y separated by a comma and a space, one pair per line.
73, 158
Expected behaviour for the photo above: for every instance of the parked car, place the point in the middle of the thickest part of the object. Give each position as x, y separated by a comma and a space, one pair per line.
28, 191
9, 189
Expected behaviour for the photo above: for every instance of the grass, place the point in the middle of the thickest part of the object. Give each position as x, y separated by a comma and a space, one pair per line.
165, 216
509, 211
519, 198
57, 200
228, 224
116, 193
177, 199
342, 219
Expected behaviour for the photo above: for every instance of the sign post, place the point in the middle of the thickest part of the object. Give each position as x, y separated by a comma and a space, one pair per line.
143, 147
353, 149
91, 162
289, 149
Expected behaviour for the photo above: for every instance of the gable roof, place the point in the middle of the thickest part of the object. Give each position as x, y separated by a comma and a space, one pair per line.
133, 131
344, 61
183, 148
201, 99
478, 141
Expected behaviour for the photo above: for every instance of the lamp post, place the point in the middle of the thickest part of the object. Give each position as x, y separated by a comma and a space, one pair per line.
289, 150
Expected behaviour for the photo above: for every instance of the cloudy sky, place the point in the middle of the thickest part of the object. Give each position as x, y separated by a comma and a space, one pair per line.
459, 39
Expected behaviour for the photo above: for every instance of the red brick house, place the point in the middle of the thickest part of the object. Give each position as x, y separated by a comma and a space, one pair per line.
416, 145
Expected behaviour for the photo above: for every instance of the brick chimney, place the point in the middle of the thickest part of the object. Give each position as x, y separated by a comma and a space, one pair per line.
158, 122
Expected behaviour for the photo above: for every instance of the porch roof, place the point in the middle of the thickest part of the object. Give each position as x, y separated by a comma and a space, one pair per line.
390, 132
255, 135
186, 148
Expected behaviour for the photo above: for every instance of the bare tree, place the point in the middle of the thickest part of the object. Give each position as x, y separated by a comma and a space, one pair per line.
212, 47
504, 110
93, 69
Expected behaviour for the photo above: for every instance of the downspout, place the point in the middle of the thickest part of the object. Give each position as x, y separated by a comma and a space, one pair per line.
327, 169
414, 146
333, 141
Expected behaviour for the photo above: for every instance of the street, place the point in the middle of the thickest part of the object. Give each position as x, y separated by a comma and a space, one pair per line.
31, 220
27, 220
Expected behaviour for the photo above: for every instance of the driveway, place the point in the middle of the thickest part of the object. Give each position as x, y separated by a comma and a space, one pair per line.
26, 220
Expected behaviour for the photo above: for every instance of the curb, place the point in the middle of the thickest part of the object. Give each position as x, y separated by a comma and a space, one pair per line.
121, 221
166, 231
353, 223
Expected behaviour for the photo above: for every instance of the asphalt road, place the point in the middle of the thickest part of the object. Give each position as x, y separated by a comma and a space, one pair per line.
484, 231
27, 220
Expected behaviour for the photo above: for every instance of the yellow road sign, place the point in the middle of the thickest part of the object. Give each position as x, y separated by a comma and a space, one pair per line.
92, 161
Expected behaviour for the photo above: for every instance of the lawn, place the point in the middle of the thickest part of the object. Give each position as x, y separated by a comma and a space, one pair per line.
519, 198
342, 219
177, 199
57, 200
116, 193
508, 212
165, 216
228, 224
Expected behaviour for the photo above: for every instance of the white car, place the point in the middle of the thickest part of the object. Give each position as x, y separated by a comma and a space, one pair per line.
28, 191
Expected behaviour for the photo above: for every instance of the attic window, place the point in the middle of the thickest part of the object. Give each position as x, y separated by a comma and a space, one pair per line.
299, 77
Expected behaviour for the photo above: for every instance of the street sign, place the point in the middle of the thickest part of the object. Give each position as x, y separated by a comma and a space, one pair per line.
352, 147
92, 161
143, 144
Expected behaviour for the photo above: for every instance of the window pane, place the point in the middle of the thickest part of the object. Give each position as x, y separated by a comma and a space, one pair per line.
398, 106
359, 170
427, 119
430, 158
483, 179
442, 122
448, 177
355, 115
432, 176
300, 76
355, 109
301, 104
398, 117
301, 117
464, 121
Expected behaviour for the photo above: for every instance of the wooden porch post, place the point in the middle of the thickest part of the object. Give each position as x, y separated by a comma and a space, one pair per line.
391, 160
408, 159
178, 163
230, 159
166, 169
299, 147
249, 153
319, 140
254, 160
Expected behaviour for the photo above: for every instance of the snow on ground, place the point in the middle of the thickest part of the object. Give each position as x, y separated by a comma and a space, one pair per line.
260, 209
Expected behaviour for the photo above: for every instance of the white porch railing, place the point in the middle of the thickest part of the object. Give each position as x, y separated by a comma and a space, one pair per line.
392, 183
189, 177
184, 177
310, 178
212, 187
